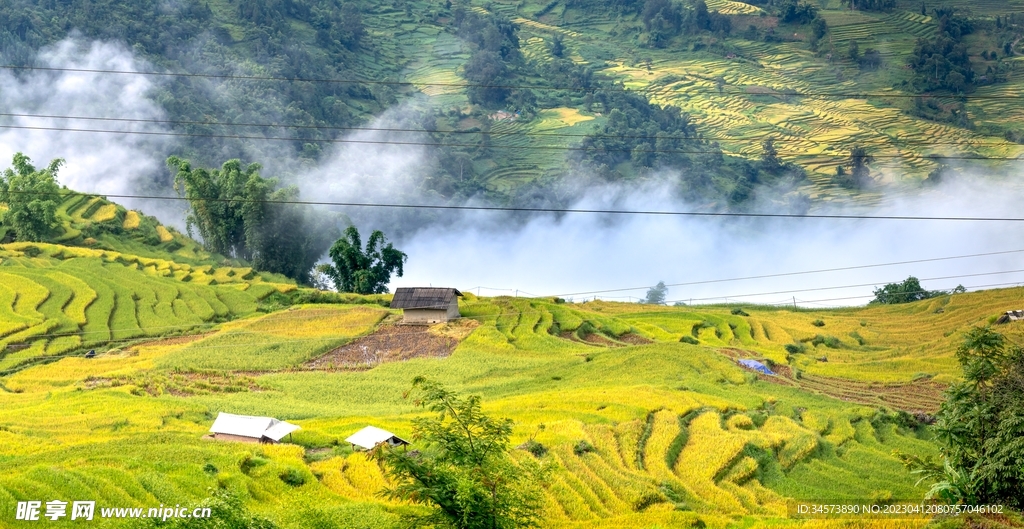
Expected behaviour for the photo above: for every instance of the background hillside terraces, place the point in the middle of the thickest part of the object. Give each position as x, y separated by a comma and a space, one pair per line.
57, 299
805, 126
664, 433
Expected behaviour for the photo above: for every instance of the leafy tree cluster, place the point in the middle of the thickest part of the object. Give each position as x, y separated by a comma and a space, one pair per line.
856, 174
665, 19
645, 136
656, 294
31, 196
238, 214
464, 472
797, 12
185, 36
908, 291
363, 271
491, 67
871, 5
942, 62
643, 133
980, 427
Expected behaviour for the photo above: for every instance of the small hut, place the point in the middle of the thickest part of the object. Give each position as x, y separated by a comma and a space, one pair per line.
371, 436
1011, 315
423, 305
249, 429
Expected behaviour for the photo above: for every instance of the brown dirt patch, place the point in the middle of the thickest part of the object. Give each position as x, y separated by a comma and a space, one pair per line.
919, 396
395, 343
600, 339
634, 339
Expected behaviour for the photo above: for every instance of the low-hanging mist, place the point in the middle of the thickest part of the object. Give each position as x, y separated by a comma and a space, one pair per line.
576, 255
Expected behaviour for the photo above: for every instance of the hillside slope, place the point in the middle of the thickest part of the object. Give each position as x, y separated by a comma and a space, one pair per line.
763, 79
679, 432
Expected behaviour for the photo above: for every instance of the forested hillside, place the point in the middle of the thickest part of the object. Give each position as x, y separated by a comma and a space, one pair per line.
510, 97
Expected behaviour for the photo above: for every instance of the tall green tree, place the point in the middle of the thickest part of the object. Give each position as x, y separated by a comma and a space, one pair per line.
32, 197
980, 426
240, 214
464, 472
364, 271
656, 294
905, 292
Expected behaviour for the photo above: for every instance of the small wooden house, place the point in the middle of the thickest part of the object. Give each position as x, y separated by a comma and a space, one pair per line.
427, 305
249, 429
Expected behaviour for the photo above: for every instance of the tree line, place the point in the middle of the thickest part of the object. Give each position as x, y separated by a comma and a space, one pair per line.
237, 213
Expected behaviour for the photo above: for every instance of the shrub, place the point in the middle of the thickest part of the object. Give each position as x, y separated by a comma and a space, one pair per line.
690, 340
293, 477
535, 448
795, 348
582, 447
818, 323
251, 462
828, 341
739, 312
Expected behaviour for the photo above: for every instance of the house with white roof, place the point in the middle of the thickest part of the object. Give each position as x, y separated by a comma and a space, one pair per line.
249, 429
371, 436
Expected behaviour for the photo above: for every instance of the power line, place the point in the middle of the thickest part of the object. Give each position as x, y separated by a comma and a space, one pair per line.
470, 145
767, 276
545, 210
313, 313
764, 136
817, 289
1016, 283
711, 91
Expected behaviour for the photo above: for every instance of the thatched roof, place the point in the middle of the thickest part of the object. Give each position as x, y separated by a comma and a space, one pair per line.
424, 298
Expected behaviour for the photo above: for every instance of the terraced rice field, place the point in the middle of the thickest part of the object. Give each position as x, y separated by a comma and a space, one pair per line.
674, 432
57, 300
734, 98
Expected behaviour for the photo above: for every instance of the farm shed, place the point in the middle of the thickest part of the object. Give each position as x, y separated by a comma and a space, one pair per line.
1011, 315
371, 436
427, 305
248, 429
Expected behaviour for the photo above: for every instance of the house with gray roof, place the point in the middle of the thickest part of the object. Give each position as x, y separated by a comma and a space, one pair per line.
425, 306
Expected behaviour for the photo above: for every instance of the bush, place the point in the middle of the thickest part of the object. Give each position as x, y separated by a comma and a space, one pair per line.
535, 448
739, 312
250, 463
795, 348
293, 477
690, 340
828, 341
582, 447
818, 323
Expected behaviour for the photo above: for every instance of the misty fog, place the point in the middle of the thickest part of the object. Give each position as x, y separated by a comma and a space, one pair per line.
532, 254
